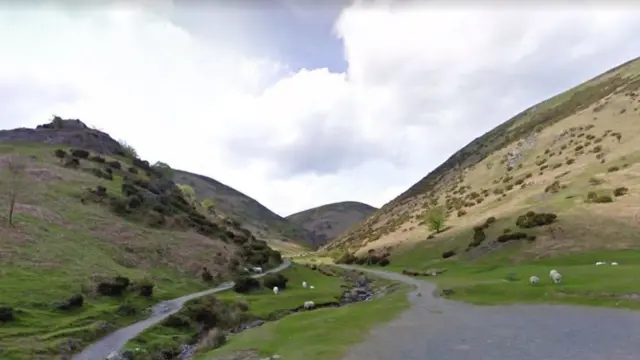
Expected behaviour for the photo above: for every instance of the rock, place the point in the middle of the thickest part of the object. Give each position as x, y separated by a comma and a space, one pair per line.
447, 292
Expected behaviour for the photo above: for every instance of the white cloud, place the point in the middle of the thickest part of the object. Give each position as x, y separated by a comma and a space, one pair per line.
421, 83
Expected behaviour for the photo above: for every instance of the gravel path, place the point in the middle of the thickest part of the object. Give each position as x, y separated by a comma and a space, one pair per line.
440, 329
115, 341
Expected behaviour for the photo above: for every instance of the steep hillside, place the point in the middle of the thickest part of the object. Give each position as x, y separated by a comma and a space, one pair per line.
329, 221
92, 236
262, 222
575, 155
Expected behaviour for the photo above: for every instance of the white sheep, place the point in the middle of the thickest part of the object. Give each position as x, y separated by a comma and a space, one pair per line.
312, 287
554, 271
304, 284
275, 290
601, 263
534, 280
257, 269
614, 263
309, 305
556, 277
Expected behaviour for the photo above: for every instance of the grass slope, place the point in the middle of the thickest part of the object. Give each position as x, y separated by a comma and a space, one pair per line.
329, 221
281, 334
263, 222
574, 155
60, 246
585, 139
323, 334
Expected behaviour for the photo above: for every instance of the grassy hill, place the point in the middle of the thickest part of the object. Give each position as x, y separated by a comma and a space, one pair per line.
262, 222
329, 221
96, 236
575, 155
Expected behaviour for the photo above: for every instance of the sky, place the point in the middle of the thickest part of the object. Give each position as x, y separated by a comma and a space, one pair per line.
295, 104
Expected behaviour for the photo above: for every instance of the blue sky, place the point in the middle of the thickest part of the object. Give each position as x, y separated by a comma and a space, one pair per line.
300, 36
269, 101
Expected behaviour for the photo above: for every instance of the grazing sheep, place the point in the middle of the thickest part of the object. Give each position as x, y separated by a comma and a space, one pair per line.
601, 263
309, 305
304, 284
556, 277
614, 263
534, 280
312, 287
257, 269
275, 290
554, 271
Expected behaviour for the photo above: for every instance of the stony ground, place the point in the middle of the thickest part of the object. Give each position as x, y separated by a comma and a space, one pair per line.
436, 328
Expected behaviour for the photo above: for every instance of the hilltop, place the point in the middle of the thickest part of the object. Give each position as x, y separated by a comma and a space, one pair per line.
94, 235
261, 221
574, 156
327, 222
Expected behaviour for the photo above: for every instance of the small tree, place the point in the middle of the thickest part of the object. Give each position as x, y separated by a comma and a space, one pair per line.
164, 169
14, 173
436, 218
187, 191
207, 204
129, 150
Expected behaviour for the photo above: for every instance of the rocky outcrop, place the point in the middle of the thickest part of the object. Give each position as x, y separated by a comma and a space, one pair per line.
71, 132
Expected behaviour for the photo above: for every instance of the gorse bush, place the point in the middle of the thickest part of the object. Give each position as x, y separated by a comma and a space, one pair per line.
532, 219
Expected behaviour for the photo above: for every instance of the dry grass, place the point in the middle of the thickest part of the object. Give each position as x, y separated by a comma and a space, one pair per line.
398, 226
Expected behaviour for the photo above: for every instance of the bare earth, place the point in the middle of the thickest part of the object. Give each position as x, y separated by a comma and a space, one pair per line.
440, 329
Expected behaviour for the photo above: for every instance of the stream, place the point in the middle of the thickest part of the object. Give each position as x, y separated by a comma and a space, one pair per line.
115, 341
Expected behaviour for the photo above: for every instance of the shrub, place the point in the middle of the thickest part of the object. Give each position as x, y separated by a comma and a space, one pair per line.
133, 170
59, 153
73, 163
478, 236
448, 254
80, 153
145, 289
553, 188
206, 274
6, 314
532, 219
490, 220
613, 168
384, 262
75, 301
245, 284
518, 182
570, 161
98, 159
114, 164
271, 280
177, 321
115, 287
600, 198
620, 191
511, 236
461, 213
595, 181
101, 174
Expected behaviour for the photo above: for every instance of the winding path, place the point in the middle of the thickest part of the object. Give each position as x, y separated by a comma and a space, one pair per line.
440, 329
116, 340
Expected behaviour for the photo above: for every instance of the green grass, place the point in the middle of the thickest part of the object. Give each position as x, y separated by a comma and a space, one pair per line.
323, 334
264, 302
59, 244
486, 280
261, 303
